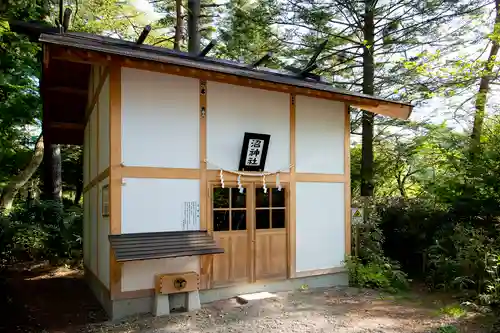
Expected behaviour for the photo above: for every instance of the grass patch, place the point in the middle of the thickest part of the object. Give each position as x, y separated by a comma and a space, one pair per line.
453, 310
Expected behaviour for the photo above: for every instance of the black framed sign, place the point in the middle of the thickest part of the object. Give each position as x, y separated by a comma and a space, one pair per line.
254, 152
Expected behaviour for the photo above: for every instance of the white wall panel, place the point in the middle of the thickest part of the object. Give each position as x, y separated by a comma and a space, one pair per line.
93, 143
104, 126
320, 240
160, 120
86, 155
137, 275
86, 229
151, 205
102, 238
319, 131
93, 229
233, 110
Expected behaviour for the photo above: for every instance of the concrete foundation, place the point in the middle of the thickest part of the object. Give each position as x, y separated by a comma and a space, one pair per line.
118, 309
161, 305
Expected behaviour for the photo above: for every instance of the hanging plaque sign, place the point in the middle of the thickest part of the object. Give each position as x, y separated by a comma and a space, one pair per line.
254, 152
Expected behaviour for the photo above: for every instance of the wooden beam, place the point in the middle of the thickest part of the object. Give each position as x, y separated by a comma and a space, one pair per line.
208, 48
262, 60
90, 107
115, 172
300, 72
144, 34
292, 227
319, 177
67, 90
347, 184
317, 52
66, 126
205, 263
159, 173
99, 178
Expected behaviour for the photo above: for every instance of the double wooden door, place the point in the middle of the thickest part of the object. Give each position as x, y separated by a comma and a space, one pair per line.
251, 225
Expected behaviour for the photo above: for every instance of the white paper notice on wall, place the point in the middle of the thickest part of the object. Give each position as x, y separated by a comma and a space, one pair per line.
191, 215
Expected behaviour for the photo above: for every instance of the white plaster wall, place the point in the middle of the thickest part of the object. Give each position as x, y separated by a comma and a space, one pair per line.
86, 155
104, 126
319, 135
102, 238
150, 205
86, 229
320, 237
233, 110
139, 275
93, 229
93, 143
160, 120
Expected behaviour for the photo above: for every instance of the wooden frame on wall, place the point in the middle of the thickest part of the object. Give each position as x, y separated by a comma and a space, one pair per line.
208, 178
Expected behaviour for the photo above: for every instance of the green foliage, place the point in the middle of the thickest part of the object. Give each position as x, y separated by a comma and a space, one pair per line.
371, 268
449, 236
453, 310
447, 329
377, 275
491, 294
41, 231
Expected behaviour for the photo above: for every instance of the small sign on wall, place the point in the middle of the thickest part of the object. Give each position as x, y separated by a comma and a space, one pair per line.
254, 152
191, 215
356, 215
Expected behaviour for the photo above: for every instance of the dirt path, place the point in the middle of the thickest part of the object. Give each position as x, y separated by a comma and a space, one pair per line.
58, 300
320, 310
46, 299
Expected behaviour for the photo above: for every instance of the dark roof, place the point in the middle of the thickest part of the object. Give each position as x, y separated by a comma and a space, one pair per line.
160, 54
157, 245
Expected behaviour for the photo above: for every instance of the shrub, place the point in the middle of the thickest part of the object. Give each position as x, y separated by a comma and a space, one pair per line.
371, 268
41, 231
377, 275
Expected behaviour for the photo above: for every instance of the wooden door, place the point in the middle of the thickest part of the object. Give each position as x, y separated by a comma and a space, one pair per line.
270, 234
229, 217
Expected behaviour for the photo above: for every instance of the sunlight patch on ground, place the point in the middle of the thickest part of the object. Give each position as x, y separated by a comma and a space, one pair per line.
255, 296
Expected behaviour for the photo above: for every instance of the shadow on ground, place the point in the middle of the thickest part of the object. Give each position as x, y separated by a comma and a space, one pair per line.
48, 299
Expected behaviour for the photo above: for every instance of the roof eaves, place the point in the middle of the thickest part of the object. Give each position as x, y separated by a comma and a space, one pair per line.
146, 52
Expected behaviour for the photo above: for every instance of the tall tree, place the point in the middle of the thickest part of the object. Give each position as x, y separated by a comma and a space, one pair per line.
486, 78
245, 31
19, 100
171, 30
375, 35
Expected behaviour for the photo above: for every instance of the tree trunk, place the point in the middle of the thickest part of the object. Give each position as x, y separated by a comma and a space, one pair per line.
52, 181
78, 194
9, 191
368, 117
193, 30
484, 86
178, 25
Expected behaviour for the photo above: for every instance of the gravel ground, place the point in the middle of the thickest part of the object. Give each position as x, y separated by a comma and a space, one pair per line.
319, 310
